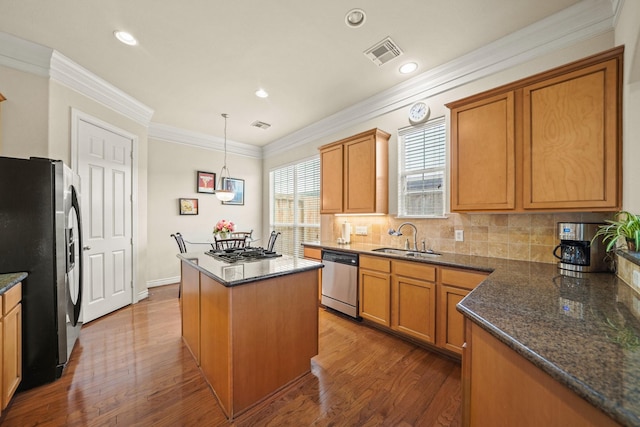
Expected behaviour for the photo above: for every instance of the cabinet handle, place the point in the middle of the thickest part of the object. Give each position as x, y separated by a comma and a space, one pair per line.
464, 345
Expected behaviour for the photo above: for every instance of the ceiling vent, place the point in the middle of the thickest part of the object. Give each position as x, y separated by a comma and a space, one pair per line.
261, 125
383, 51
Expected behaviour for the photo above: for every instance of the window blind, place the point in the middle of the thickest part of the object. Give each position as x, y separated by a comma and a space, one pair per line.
422, 170
295, 205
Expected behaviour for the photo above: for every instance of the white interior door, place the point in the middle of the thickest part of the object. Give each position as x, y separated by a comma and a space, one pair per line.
104, 161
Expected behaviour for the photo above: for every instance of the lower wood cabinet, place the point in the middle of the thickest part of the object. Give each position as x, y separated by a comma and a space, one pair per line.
375, 289
413, 300
501, 388
11, 342
416, 299
315, 254
454, 285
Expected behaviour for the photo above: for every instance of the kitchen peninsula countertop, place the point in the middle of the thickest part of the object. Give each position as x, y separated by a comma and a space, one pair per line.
238, 273
583, 332
9, 280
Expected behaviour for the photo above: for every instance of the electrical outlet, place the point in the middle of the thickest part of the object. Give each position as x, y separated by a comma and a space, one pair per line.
459, 235
361, 230
636, 277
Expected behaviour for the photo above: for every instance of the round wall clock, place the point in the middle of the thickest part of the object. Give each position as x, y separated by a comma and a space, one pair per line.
418, 113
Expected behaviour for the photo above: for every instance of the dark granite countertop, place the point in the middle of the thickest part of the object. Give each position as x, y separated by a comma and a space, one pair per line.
239, 273
581, 331
9, 280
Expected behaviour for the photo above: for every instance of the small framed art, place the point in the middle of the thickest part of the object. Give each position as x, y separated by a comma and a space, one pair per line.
188, 206
237, 186
206, 182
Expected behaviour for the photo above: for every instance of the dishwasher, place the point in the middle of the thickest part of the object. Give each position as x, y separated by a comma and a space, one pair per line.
340, 282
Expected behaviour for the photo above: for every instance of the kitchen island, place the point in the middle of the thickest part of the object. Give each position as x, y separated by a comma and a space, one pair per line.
543, 347
252, 327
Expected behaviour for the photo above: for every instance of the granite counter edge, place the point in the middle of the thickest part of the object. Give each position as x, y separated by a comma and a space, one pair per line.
9, 280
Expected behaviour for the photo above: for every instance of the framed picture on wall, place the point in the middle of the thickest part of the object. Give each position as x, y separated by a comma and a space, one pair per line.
206, 182
237, 186
188, 206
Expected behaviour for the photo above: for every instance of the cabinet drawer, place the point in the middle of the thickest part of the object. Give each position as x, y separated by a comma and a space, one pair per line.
415, 270
11, 298
375, 263
462, 279
313, 253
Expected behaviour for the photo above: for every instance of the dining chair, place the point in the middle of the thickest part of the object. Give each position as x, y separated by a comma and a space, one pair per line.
180, 242
232, 242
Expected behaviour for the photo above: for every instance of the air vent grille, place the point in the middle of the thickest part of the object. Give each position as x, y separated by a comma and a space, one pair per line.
261, 125
383, 51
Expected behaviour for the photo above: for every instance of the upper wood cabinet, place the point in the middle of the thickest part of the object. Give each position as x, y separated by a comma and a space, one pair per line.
483, 146
354, 174
550, 142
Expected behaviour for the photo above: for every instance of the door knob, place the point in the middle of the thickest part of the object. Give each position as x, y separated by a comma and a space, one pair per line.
86, 248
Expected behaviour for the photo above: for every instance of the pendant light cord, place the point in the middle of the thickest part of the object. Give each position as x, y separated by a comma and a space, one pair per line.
225, 115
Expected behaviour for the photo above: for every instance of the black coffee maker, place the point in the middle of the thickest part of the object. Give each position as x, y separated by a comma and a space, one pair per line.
576, 253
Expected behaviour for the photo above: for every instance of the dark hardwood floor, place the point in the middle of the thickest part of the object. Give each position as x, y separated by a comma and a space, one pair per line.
130, 368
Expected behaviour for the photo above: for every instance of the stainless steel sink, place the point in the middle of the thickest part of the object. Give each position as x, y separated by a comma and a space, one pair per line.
411, 254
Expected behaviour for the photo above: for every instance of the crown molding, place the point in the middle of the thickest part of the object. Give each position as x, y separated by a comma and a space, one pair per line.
24, 55
36, 59
580, 22
201, 140
68, 73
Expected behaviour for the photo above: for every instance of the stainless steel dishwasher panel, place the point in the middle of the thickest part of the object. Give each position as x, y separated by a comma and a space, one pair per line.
340, 282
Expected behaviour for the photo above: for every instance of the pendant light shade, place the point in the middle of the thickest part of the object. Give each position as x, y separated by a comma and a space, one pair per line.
223, 192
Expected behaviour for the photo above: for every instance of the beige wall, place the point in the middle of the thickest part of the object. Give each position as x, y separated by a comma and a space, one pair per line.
25, 114
522, 236
172, 175
37, 122
628, 33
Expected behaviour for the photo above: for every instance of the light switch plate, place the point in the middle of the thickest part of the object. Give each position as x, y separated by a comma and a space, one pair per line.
636, 277
459, 235
361, 230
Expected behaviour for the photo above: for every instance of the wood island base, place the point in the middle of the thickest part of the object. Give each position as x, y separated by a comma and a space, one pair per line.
253, 339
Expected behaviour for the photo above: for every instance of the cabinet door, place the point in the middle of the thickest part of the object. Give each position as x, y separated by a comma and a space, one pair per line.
571, 152
331, 186
360, 183
414, 303
450, 320
12, 353
190, 305
375, 296
483, 155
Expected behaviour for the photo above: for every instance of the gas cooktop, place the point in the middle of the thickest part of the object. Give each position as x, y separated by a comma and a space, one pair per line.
242, 254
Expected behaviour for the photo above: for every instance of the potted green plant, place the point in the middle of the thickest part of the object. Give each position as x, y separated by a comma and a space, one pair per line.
626, 225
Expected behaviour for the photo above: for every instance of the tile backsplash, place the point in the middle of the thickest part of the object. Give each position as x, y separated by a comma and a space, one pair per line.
527, 237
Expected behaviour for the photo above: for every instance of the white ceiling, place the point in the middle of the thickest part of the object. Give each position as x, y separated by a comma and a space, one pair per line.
197, 59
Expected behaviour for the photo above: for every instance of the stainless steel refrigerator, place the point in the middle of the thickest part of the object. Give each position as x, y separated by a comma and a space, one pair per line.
41, 234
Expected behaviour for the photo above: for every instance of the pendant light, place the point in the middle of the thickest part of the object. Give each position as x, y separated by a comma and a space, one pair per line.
223, 193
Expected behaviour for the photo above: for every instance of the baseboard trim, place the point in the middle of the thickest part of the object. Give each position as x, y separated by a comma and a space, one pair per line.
163, 282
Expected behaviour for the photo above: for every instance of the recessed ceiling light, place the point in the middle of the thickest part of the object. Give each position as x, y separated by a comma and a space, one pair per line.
261, 93
125, 38
355, 18
409, 67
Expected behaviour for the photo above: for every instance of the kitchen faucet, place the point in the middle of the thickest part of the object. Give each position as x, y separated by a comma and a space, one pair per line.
393, 232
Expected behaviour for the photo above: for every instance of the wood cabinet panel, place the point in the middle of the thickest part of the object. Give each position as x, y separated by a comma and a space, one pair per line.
504, 389
316, 255
375, 296
375, 263
415, 269
450, 320
215, 349
462, 278
549, 142
361, 185
190, 305
331, 179
483, 154
12, 353
414, 308
570, 140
